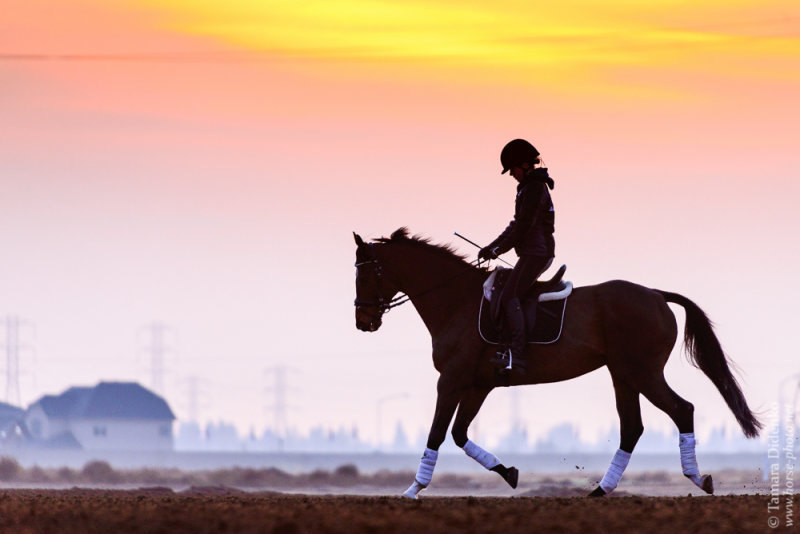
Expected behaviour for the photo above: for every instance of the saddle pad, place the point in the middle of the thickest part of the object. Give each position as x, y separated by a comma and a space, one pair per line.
555, 294
547, 328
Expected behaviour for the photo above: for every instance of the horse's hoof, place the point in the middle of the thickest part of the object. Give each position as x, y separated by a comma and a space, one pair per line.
413, 490
707, 485
598, 492
512, 477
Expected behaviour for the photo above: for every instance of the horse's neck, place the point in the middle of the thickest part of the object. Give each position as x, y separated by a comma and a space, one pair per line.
438, 286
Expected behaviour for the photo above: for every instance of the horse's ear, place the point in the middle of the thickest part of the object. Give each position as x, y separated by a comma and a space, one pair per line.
358, 239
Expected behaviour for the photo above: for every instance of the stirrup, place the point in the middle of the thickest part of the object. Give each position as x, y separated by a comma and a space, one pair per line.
517, 365
504, 359
501, 359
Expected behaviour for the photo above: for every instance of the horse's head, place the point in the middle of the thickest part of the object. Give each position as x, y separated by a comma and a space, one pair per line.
374, 293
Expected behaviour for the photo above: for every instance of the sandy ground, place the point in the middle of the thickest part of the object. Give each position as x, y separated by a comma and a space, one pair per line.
349, 502
207, 510
651, 484
344, 482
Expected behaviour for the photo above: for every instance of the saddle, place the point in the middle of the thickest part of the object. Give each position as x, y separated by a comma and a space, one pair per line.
550, 296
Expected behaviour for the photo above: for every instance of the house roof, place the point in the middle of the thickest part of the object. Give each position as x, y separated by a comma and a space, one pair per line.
107, 400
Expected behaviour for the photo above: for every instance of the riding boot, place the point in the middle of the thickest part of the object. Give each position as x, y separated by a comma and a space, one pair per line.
515, 320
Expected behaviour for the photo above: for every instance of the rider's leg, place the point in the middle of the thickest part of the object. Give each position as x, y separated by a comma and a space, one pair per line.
524, 274
515, 321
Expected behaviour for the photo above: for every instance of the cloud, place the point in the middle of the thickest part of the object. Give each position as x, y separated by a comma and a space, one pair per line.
578, 42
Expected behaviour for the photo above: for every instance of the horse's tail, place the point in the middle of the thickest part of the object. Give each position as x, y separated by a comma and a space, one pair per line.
705, 353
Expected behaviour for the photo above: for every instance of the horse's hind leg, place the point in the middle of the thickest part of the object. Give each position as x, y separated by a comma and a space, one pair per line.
681, 412
468, 408
630, 429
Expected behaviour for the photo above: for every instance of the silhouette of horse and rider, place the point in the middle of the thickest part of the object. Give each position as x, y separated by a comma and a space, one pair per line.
618, 324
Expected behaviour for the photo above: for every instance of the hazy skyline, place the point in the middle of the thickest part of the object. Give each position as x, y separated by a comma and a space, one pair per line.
204, 166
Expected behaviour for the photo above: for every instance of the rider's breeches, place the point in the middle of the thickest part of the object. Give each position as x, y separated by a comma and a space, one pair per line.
524, 274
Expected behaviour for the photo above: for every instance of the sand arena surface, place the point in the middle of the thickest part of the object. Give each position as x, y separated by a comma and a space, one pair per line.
217, 509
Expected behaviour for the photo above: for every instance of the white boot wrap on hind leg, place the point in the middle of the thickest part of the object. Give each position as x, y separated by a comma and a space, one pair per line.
486, 459
618, 464
426, 466
686, 442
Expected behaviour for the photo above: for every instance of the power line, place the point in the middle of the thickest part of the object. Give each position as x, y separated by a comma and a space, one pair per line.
196, 397
12, 360
12, 349
157, 351
280, 408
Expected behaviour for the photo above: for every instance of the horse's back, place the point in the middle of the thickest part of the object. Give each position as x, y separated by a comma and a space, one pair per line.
616, 323
632, 317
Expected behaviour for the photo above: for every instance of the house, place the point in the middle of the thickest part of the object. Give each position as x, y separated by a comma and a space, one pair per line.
109, 416
10, 424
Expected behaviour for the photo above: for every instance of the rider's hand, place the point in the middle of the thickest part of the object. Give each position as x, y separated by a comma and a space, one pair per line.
487, 253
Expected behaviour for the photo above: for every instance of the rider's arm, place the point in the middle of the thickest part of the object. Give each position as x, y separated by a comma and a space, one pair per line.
529, 201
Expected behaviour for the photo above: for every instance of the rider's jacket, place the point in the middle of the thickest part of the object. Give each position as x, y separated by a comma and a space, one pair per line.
531, 230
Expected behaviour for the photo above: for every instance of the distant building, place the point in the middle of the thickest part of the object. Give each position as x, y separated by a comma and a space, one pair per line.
109, 416
10, 424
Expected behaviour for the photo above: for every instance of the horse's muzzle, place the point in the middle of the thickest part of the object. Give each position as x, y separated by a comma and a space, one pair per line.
365, 323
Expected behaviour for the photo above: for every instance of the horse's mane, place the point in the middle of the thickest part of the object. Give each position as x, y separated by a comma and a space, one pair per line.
401, 235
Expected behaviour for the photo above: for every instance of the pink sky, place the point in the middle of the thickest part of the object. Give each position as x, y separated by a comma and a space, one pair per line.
215, 187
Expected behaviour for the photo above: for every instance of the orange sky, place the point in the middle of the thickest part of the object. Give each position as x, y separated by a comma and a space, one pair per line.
206, 145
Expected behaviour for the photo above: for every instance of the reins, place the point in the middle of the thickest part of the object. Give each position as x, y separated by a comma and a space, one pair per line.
446, 282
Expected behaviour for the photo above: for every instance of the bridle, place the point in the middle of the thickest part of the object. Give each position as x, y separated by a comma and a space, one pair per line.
381, 303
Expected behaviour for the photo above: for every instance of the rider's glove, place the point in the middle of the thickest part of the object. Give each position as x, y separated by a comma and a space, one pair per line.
488, 253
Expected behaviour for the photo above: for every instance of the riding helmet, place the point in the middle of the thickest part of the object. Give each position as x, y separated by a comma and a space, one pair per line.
517, 152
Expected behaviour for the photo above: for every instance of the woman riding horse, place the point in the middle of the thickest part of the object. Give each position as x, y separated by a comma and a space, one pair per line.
623, 326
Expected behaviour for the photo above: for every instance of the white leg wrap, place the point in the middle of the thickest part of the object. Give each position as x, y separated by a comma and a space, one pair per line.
486, 459
618, 464
424, 473
686, 443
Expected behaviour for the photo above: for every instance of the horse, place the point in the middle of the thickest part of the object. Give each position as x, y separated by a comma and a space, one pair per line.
626, 327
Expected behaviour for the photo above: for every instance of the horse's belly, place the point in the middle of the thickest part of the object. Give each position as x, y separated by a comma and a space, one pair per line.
558, 366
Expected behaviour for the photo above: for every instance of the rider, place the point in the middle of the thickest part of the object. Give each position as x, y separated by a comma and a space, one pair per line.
530, 234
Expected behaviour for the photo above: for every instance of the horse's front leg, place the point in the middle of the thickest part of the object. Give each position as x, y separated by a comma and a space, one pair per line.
468, 408
446, 403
